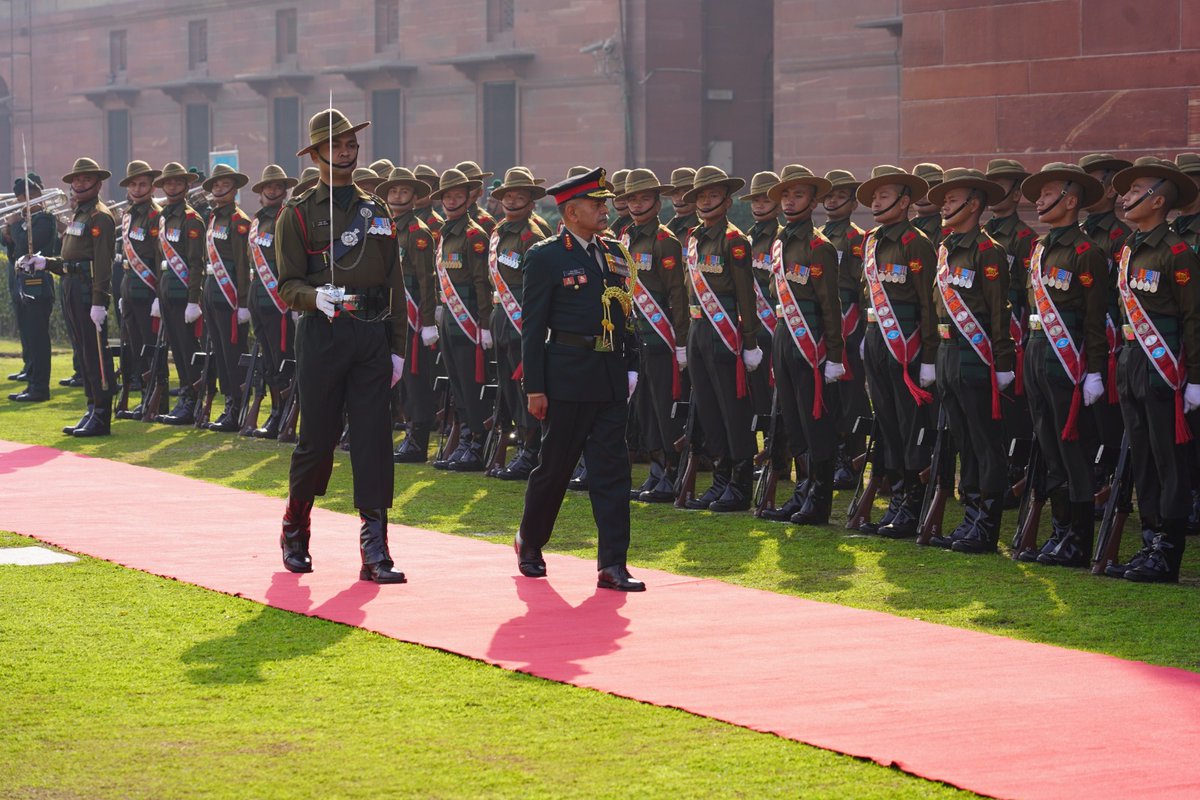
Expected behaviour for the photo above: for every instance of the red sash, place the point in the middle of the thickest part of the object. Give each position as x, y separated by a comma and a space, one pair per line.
802, 335
654, 314
170, 254
508, 301
224, 282
850, 319
1018, 336
269, 282
967, 324
1153, 345
1060, 340
715, 313
458, 309
135, 261
902, 349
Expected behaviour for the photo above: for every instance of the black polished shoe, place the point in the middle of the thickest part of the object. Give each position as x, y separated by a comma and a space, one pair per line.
69, 430
29, 397
1119, 570
521, 467
471, 459
377, 565
270, 428
98, 424
184, 412
134, 413
293, 540
663, 491
381, 573
985, 536
19, 376
1068, 552
617, 578
529, 559
1161, 564
74, 382
579, 478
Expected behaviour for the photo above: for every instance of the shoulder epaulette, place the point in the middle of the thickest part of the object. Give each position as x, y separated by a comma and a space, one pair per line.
1024, 233
908, 236
1178, 247
1083, 247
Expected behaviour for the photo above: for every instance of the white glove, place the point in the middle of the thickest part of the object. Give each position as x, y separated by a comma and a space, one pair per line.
681, 357
397, 368
1191, 398
485, 338
154, 309
295, 316
121, 306
98, 315
1005, 379
632, 378
834, 371
752, 358
325, 302
33, 263
429, 335
437, 314
191, 313
1093, 388
243, 316
928, 375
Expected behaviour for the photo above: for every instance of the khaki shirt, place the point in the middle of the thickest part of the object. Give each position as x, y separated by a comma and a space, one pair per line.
418, 249
230, 228
1172, 272
1081, 295
848, 239
1018, 240
483, 219
664, 276
464, 252
303, 230
183, 228
682, 228
728, 272
516, 237
90, 236
811, 269
986, 294
906, 247
932, 227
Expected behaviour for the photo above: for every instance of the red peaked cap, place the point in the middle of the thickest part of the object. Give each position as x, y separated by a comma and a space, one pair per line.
591, 184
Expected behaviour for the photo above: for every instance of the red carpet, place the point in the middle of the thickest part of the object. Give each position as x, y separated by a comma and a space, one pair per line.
859, 682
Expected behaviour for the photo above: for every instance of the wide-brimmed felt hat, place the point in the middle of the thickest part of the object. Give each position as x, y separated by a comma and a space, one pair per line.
326, 125
402, 176
1006, 168
453, 179
592, 184
86, 166
966, 178
799, 175
519, 178
426, 173
225, 171
617, 179
137, 169
682, 179
527, 171
1161, 169
382, 167
929, 172
473, 171
839, 178
886, 174
577, 170
174, 169
365, 178
642, 180
760, 183
273, 173
1092, 189
1188, 163
1103, 161
308, 179
709, 176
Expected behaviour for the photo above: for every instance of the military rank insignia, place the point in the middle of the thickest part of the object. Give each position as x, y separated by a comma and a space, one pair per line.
1178, 248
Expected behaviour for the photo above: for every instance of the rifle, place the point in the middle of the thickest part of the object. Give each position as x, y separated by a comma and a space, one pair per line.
495, 446
448, 424
688, 454
126, 362
1029, 510
204, 397
859, 512
248, 419
1112, 524
768, 478
937, 490
152, 387
290, 397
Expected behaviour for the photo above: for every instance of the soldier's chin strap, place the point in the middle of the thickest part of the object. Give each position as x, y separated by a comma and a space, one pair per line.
456, 209
971, 195
1057, 200
904, 192
1149, 192
846, 202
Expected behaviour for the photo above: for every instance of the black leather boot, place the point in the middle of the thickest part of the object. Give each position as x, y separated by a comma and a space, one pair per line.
721, 472
228, 421
415, 447
1060, 528
656, 473
69, 430
1074, 548
1148, 536
459, 449
1161, 564
844, 476
373, 545
907, 520
985, 536
819, 503
296, 533
134, 413
184, 412
895, 501
794, 503
739, 490
970, 503
99, 423
471, 459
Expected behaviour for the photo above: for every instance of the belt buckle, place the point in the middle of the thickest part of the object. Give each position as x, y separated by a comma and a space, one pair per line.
695, 312
943, 330
1127, 330
1035, 322
871, 315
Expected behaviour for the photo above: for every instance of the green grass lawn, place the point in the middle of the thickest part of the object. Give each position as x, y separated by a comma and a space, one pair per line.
128, 685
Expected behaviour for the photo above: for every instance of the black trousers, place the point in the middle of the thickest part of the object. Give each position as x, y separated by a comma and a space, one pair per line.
97, 364
966, 392
898, 418
34, 320
1049, 391
760, 379
656, 399
19, 316
725, 417
138, 325
1161, 468
597, 431
458, 354
276, 332
853, 392
796, 385
417, 399
227, 348
507, 342
72, 332
343, 364
181, 336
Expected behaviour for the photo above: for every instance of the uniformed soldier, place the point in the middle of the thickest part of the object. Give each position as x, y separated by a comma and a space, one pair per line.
308, 179
508, 245
847, 238
139, 291
975, 359
684, 217
198, 198
339, 266
901, 341
807, 350
181, 278
382, 167
274, 326
424, 206
580, 370
32, 295
226, 290
367, 180
723, 339
928, 219
478, 215
1158, 277
661, 322
86, 266
1064, 362
762, 233
466, 296
623, 220
1187, 223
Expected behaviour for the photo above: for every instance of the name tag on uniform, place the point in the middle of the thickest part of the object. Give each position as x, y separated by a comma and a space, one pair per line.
380, 226
714, 264
798, 273
137, 234
575, 278
264, 239
762, 262
894, 273
173, 234
511, 259
220, 232
1145, 279
1058, 278
452, 261
961, 276
75, 228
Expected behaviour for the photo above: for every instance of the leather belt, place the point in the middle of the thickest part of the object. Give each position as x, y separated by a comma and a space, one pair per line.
572, 339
